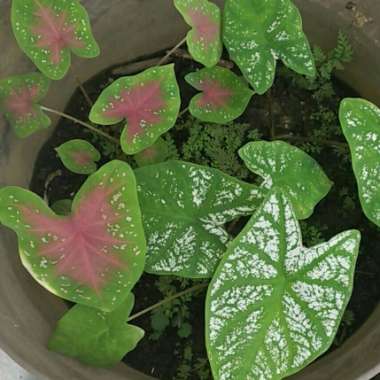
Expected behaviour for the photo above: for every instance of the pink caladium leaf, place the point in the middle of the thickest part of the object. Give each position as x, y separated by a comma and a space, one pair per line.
224, 96
149, 101
19, 98
49, 30
79, 156
204, 39
93, 256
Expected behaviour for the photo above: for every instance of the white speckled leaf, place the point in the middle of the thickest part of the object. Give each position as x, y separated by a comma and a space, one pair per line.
273, 306
79, 156
224, 96
185, 207
360, 122
258, 32
283, 165
204, 40
95, 255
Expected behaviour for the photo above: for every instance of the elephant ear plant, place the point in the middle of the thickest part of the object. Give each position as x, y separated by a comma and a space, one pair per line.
273, 305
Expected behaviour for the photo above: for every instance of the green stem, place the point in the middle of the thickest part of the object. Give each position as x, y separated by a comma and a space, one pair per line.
167, 300
82, 123
303, 139
170, 52
183, 112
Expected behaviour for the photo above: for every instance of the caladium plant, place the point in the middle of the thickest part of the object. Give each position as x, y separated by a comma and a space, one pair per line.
149, 102
19, 101
273, 306
224, 96
93, 256
204, 40
360, 121
49, 30
258, 32
79, 156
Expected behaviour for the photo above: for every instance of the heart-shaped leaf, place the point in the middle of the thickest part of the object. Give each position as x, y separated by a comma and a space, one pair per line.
79, 156
283, 165
185, 208
273, 306
19, 97
149, 101
158, 152
92, 257
48, 30
224, 96
258, 32
94, 337
360, 122
204, 40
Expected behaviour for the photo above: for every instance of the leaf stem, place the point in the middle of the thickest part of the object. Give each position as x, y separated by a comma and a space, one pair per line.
84, 92
170, 52
167, 300
82, 123
185, 110
330, 143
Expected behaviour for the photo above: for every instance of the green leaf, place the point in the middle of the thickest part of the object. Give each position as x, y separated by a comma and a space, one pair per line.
204, 40
224, 97
360, 122
79, 156
19, 98
94, 337
93, 256
274, 306
62, 207
158, 152
185, 208
283, 165
258, 32
149, 101
48, 30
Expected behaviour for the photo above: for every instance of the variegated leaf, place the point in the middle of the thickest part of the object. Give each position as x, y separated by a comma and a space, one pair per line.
185, 208
274, 306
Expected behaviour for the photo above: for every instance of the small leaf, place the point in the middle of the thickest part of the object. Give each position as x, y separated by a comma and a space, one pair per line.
224, 96
204, 39
149, 101
274, 306
62, 207
258, 32
47, 30
94, 337
156, 153
283, 165
92, 257
79, 156
19, 98
360, 122
185, 208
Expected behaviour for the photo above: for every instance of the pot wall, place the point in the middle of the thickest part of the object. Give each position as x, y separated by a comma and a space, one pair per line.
126, 29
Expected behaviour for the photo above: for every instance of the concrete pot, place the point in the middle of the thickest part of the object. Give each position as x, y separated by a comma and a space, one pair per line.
126, 29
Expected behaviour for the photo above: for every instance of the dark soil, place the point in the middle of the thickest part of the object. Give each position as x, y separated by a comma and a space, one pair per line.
290, 108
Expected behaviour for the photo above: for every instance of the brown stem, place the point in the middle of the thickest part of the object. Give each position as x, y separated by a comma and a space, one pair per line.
170, 52
82, 123
181, 53
167, 300
335, 144
185, 110
84, 92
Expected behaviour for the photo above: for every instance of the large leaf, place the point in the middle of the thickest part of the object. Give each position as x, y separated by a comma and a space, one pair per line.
19, 97
185, 208
48, 30
258, 32
94, 337
92, 257
204, 40
224, 96
149, 101
360, 121
283, 165
79, 156
273, 306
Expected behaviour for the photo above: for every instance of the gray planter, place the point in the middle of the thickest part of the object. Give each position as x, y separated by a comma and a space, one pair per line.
126, 29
